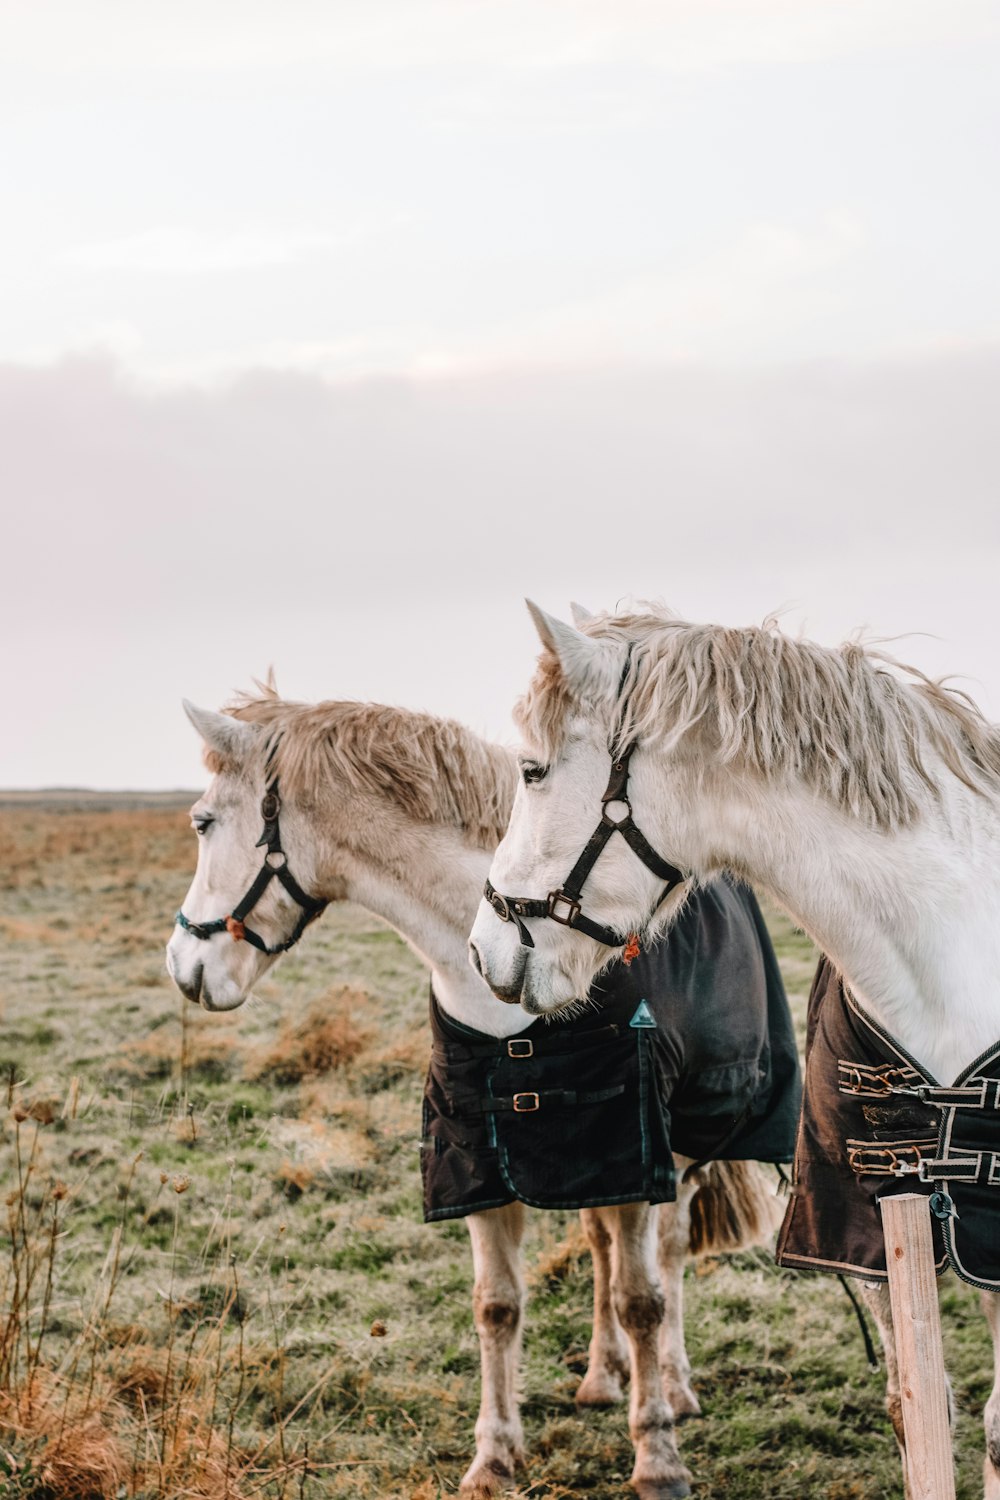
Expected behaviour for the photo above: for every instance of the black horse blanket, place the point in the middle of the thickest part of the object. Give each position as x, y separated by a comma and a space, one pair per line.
875, 1122
689, 1049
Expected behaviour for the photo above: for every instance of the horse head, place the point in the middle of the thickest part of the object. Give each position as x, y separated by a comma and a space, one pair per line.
245, 907
580, 767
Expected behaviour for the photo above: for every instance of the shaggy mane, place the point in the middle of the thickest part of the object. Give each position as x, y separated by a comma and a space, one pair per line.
434, 770
854, 724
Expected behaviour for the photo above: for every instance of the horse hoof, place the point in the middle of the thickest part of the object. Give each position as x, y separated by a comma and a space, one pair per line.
661, 1489
685, 1406
596, 1396
486, 1480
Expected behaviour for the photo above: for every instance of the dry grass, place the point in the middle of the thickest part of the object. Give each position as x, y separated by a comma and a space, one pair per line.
68, 1437
208, 1218
109, 1414
325, 1038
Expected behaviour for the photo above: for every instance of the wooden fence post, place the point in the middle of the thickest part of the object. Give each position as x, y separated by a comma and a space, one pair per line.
916, 1320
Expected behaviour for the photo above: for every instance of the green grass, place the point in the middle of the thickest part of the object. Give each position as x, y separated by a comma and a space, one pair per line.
298, 1226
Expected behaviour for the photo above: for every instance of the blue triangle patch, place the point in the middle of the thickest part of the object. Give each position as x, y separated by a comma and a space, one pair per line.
643, 1017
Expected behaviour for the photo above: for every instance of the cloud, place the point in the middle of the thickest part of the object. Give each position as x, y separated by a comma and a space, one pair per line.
758, 295
750, 297
374, 539
670, 35
177, 251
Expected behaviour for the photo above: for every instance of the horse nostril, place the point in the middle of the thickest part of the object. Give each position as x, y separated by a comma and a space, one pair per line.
475, 960
191, 985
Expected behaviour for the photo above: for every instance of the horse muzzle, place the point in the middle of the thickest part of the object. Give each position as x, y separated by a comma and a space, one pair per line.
500, 964
191, 969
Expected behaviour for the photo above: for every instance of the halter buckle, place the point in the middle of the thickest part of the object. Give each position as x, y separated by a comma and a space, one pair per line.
526, 1104
270, 806
559, 898
619, 802
524, 1045
500, 906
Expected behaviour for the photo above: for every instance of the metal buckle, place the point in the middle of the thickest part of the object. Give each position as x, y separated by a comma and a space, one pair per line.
270, 806
526, 1109
573, 908
880, 1085
525, 1045
622, 802
499, 905
887, 1161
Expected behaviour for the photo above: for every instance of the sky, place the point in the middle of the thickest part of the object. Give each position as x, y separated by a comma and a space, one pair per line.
329, 331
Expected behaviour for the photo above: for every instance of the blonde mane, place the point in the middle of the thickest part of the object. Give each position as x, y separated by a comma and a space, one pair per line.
855, 725
434, 770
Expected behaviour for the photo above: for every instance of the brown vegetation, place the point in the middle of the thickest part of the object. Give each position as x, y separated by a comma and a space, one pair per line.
326, 1037
210, 1219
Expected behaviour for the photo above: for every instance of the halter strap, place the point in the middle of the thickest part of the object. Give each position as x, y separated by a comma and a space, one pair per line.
563, 905
275, 866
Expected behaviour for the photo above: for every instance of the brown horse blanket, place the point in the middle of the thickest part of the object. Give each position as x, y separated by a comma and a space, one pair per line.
875, 1122
689, 1049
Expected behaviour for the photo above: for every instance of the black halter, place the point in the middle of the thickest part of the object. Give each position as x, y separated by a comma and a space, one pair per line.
275, 864
563, 905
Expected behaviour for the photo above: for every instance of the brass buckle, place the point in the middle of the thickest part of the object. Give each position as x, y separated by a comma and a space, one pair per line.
521, 1108
887, 1161
573, 908
526, 1047
499, 905
879, 1085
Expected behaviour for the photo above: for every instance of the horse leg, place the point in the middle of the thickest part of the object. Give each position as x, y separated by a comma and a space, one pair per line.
674, 1249
875, 1295
991, 1417
498, 1305
638, 1300
607, 1359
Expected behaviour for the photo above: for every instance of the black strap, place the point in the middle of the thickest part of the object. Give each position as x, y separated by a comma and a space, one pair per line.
563, 905
560, 1041
885, 1082
573, 884
859, 1313
275, 866
570, 1097
980, 1093
560, 905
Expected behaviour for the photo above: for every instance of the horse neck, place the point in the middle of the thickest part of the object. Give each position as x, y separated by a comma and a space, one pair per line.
429, 892
908, 917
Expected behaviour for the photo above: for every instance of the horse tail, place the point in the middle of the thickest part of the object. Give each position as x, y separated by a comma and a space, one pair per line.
734, 1207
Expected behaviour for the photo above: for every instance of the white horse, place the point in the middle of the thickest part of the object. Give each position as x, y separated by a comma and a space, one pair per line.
863, 797
400, 812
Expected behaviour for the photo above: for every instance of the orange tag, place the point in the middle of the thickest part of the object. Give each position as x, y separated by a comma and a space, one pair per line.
631, 948
237, 931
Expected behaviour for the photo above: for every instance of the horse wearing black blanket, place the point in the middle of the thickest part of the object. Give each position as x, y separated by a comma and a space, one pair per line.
400, 812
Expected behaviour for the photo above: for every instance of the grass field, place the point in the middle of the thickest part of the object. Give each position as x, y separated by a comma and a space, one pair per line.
216, 1280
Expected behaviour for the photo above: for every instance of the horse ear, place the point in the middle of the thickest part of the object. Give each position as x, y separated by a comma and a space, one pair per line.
230, 737
580, 614
577, 654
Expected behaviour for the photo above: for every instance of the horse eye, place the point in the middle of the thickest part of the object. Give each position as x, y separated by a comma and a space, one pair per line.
532, 771
202, 823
